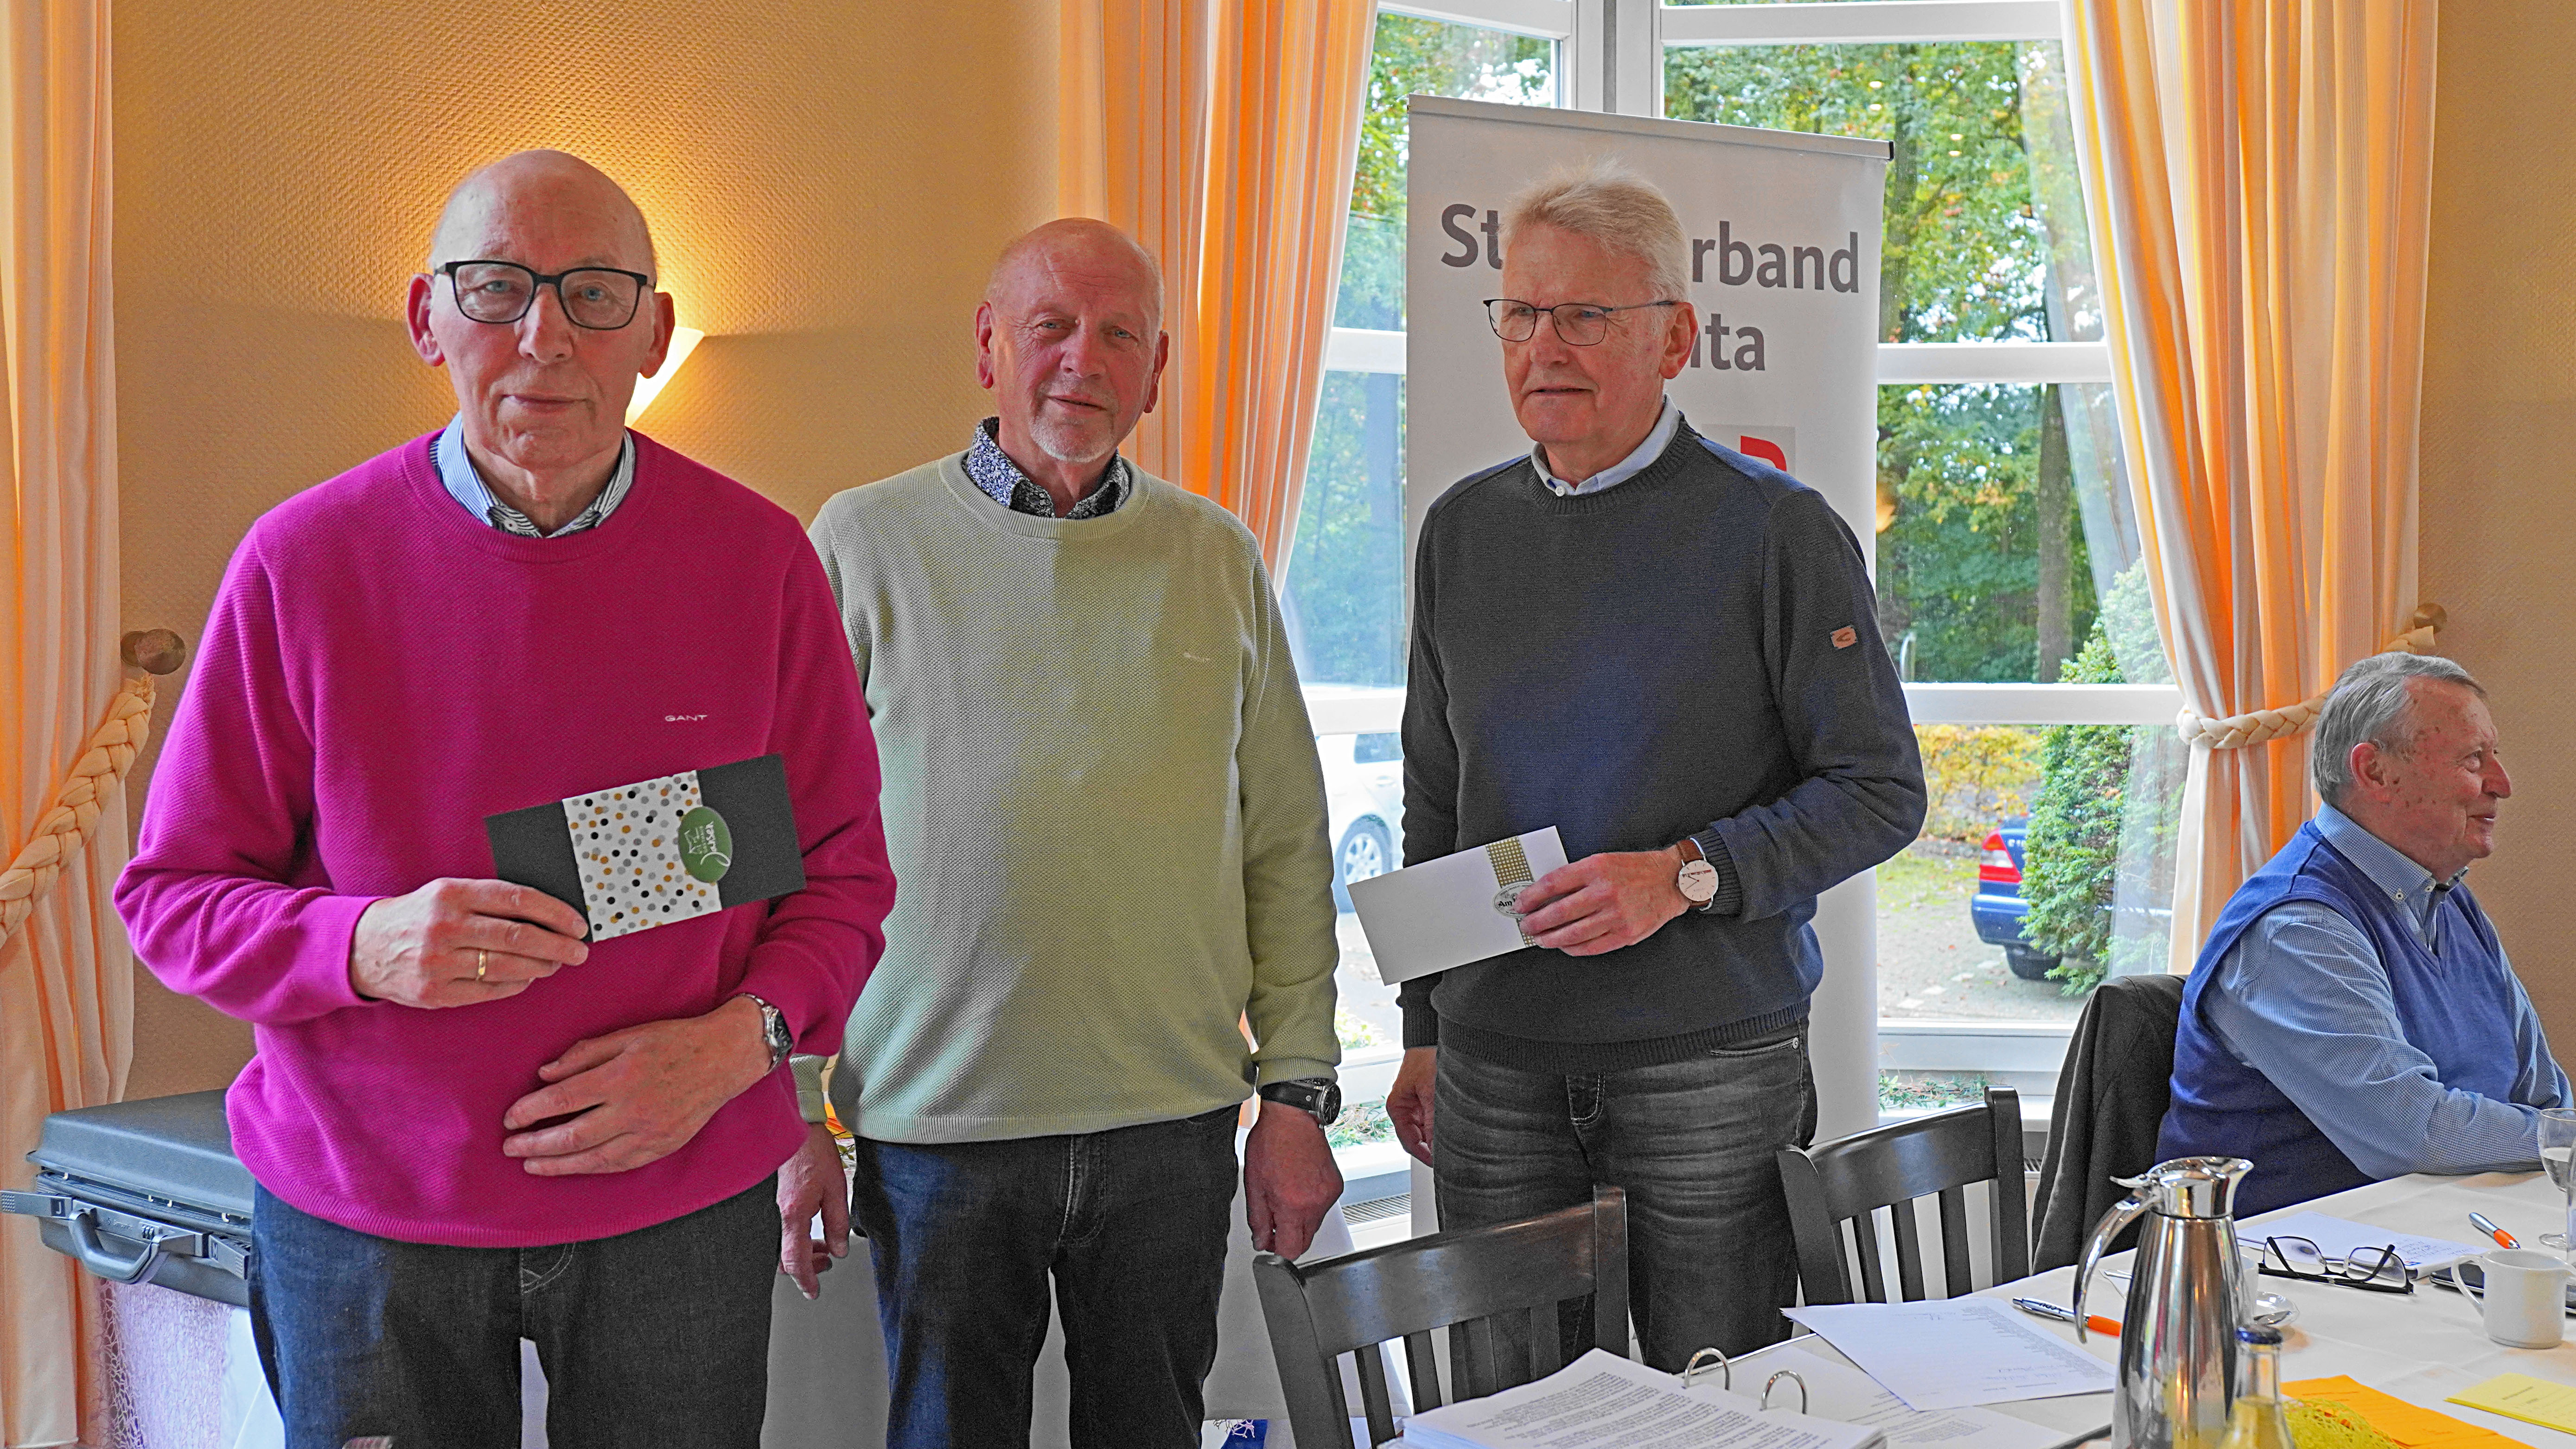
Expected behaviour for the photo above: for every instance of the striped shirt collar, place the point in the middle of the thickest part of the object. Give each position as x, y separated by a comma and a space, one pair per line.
2408, 884
1003, 481
464, 483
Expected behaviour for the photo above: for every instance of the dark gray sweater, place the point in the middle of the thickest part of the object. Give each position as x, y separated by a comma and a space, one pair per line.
1692, 652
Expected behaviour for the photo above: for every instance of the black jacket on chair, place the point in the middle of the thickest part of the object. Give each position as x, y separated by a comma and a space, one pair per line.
2111, 1097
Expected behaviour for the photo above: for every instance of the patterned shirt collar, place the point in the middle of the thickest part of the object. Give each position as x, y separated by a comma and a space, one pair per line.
464, 483
992, 470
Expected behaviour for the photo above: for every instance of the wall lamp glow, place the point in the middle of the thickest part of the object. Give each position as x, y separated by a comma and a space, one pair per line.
684, 340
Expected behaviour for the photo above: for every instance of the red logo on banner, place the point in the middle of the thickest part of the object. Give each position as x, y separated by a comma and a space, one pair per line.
1769, 452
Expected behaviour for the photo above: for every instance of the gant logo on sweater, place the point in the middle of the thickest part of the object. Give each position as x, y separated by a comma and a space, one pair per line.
682, 718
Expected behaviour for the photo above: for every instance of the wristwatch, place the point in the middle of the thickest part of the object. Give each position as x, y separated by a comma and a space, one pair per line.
1321, 1096
1511, 877
1698, 880
773, 1030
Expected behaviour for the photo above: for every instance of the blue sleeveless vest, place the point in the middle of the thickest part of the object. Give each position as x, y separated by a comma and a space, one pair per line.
2457, 1008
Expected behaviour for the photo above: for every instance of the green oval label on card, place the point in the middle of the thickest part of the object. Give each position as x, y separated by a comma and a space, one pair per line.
706, 845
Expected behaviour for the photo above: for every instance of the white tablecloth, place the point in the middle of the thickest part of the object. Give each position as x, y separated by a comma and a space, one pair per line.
2420, 1347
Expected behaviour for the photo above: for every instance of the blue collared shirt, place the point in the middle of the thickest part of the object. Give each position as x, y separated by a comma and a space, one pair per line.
464, 483
2302, 998
992, 470
1658, 439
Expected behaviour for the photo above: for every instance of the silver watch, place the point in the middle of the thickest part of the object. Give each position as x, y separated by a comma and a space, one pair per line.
773, 1030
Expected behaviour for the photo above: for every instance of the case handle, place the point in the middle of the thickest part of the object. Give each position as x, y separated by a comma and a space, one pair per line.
94, 1255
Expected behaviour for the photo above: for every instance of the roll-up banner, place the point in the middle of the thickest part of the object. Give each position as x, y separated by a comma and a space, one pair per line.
1783, 231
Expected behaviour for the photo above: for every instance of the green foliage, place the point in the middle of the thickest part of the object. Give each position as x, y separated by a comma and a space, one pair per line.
1346, 572
2072, 854
1973, 218
1974, 776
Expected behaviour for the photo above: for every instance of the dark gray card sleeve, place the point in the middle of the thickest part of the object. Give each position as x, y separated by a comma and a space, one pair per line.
751, 795
533, 847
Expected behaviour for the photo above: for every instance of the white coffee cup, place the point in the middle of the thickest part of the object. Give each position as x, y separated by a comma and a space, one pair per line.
2525, 1296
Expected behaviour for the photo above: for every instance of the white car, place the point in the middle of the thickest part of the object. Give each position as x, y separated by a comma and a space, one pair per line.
1357, 737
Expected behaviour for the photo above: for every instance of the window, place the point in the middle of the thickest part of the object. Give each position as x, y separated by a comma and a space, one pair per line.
2009, 590
1343, 591
2007, 550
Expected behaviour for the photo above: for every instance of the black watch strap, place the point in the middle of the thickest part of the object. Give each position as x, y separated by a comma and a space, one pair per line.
1319, 1096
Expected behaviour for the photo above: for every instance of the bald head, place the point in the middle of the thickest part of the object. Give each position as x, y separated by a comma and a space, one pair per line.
1077, 246
496, 204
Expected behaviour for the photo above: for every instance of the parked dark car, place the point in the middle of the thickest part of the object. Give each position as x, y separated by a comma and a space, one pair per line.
1998, 907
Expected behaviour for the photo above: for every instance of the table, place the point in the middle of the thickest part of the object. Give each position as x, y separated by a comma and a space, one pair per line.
2421, 1347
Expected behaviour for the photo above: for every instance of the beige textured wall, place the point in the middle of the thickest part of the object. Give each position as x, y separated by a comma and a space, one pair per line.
2500, 441
826, 179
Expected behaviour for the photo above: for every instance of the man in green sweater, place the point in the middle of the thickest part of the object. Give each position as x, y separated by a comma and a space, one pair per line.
1106, 818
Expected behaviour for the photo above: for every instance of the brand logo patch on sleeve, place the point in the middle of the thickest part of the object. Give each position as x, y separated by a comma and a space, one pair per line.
1846, 636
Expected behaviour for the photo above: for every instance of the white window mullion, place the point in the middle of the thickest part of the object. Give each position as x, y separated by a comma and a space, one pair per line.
2024, 363
1551, 19
1862, 22
2043, 704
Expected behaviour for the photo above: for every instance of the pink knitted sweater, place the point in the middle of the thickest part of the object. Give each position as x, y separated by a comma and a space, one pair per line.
379, 673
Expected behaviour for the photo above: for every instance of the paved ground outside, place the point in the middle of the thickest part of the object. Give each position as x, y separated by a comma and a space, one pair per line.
1931, 966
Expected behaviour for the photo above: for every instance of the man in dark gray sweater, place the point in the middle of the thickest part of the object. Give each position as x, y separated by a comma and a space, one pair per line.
1668, 651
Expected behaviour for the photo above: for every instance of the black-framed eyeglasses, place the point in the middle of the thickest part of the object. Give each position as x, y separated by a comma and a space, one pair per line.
2374, 1270
600, 298
1580, 324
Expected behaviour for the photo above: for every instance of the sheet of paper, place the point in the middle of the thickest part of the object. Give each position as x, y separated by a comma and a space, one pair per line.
2337, 1237
2411, 1426
2520, 1396
1840, 1392
1604, 1400
1441, 913
1955, 1352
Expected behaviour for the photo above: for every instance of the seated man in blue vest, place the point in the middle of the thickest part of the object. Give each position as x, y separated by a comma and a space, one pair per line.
2353, 1016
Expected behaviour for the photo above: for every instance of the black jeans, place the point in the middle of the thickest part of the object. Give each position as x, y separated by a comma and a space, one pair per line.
1131, 1225
658, 1336
1711, 1260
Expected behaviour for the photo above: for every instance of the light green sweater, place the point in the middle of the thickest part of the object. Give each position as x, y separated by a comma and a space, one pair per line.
1104, 810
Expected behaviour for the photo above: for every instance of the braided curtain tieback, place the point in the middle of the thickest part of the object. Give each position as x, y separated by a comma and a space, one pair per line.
2262, 726
65, 829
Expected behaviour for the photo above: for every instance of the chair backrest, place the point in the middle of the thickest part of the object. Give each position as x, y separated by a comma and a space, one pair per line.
1842, 1185
2111, 1099
1503, 1282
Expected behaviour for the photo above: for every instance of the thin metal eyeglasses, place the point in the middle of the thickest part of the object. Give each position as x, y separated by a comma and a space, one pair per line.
602, 299
1579, 324
2373, 1270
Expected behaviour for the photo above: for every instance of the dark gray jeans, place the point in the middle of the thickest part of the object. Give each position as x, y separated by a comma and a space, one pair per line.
1711, 1261
658, 1336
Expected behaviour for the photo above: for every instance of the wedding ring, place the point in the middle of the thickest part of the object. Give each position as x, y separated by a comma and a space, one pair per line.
482, 959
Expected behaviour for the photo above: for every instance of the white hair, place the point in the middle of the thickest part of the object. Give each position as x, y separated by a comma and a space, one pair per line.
2372, 701
1605, 202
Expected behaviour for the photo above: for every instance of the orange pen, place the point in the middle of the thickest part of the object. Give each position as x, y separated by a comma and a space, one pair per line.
2487, 1226
2042, 1308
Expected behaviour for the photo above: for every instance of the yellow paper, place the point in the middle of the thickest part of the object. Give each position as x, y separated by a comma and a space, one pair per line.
2520, 1396
2412, 1427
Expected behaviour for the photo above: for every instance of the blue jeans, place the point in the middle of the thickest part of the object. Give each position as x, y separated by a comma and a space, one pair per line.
658, 1336
1711, 1261
1131, 1225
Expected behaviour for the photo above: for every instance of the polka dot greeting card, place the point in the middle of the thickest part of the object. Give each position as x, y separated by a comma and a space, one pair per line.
646, 854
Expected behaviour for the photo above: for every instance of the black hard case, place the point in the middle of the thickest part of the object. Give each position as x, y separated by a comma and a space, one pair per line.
146, 1192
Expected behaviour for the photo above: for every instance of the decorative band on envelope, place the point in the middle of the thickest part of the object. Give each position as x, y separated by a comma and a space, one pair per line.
658, 851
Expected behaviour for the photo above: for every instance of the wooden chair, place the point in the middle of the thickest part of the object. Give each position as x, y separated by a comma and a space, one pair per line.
1473, 1282
1842, 1185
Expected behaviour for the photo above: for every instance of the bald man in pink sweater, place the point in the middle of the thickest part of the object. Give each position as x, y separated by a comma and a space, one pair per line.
469, 1123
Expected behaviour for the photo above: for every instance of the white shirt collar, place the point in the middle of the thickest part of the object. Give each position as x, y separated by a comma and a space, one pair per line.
1658, 439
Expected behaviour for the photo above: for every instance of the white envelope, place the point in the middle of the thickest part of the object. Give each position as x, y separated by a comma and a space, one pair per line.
1440, 914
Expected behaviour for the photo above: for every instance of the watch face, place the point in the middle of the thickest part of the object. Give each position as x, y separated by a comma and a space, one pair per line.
1698, 882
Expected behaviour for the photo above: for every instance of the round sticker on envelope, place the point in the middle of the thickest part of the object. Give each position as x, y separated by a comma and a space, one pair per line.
706, 845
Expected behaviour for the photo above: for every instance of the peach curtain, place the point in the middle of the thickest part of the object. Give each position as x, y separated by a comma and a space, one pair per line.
1221, 133
2259, 176
66, 977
